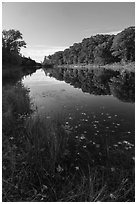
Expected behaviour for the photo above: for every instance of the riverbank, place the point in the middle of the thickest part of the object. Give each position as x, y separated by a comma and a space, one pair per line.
115, 66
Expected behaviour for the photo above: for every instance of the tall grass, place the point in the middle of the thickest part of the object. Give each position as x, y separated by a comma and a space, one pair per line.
38, 160
15, 104
47, 141
40, 170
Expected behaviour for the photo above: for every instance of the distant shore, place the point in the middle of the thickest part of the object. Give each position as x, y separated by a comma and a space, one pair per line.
115, 66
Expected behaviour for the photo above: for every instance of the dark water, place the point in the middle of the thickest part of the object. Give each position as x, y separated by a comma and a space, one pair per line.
96, 106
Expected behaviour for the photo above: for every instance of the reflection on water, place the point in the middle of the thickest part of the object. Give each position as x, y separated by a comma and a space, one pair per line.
95, 106
12, 76
98, 81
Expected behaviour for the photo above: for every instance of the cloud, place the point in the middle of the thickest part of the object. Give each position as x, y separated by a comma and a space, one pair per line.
87, 31
38, 52
110, 33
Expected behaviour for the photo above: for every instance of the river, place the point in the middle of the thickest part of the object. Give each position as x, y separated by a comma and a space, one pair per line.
96, 106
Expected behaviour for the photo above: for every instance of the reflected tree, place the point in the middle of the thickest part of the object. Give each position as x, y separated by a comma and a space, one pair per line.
99, 81
123, 87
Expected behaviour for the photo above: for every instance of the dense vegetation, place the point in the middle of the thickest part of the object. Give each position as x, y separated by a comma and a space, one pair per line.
99, 49
12, 42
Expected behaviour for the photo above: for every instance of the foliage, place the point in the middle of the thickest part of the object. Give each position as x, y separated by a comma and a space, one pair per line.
12, 40
103, 54
99, 49
124, 45
15, 102
28, 61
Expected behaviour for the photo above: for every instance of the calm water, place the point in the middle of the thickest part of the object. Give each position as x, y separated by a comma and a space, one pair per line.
96, 106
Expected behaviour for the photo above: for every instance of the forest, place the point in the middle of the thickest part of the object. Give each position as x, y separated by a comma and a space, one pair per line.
98, 50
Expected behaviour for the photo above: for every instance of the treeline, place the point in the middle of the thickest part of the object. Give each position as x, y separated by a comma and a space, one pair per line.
99, 49
12, 42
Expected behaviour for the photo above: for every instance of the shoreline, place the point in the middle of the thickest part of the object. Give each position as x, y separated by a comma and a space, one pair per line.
115, 67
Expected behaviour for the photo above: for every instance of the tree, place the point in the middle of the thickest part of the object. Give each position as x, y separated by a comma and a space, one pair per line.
12, 41
103, 54
124, 45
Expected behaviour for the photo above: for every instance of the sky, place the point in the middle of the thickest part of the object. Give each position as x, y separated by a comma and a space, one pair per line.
48, 27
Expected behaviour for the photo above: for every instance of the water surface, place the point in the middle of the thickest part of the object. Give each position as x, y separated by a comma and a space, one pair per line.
96, 106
